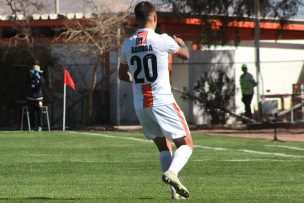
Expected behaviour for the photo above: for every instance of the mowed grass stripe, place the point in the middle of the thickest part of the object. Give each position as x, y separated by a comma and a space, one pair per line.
270, 153
89, 168
111, 136
196, 146
286, 147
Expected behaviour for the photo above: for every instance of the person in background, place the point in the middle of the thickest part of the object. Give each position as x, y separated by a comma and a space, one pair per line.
247, 83
35, 97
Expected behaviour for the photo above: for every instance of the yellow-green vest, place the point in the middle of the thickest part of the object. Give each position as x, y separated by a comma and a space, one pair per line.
247, 84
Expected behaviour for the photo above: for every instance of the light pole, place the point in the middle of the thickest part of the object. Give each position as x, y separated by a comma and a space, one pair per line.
257, 55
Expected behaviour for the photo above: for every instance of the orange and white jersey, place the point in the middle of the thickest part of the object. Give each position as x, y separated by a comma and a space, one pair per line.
146, 54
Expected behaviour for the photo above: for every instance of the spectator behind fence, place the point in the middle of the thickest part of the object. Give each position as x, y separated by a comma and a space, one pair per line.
35, 97
247, 83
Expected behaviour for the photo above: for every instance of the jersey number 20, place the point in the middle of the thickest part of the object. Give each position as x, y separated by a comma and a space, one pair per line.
145, 64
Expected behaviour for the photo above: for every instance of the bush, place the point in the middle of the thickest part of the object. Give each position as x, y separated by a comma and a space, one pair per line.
215, 92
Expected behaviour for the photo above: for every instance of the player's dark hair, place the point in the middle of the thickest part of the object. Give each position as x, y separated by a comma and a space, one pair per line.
143, 11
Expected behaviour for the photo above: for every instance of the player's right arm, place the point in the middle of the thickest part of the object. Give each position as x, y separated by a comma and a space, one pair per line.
183, 51
124, 73
123, 70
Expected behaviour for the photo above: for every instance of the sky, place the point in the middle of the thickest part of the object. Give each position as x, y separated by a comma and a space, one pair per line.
70, 6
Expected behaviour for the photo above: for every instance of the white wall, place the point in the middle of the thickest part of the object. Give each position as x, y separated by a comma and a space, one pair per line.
186, 74
281, 66
180, 80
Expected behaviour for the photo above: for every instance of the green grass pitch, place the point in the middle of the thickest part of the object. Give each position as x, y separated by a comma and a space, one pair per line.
124, 167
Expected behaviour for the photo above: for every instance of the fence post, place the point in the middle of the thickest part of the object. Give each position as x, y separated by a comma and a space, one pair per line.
292, 116
275, 137
302, 100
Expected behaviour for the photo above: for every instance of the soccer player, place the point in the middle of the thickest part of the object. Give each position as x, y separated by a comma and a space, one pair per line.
144, 63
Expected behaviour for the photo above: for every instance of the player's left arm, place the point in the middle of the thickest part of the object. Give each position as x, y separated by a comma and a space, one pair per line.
183, 51
123, 72
176, 46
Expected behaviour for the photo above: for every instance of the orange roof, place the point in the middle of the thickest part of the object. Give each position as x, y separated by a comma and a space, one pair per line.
190, 28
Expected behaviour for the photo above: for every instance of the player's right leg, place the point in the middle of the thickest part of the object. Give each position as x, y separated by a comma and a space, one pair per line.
165, 152
181, 155
165, 155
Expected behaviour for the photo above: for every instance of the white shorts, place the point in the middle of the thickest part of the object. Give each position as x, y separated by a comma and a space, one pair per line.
166, 120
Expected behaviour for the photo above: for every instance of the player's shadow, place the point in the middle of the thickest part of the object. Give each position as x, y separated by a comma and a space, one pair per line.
54, 199
39, 198
50, 198
145, 198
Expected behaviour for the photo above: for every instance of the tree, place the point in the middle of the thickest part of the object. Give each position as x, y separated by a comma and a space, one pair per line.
21, 11
23, 34
226, 11
17, 57
95, 36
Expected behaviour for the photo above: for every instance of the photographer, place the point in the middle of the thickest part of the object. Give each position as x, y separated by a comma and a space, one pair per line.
35, 97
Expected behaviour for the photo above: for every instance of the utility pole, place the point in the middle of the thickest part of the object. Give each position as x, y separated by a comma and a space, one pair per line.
57, 6
118, 81
257, 55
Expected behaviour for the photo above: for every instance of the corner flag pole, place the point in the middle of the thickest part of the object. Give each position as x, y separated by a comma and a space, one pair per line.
64, 106
67, 80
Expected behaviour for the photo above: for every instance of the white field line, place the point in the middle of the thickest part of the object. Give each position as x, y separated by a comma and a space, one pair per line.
111, 136
269, 153
214, 148
196, 146
287, 147
245, 160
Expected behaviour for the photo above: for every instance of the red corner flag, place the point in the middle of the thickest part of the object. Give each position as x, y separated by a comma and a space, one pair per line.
68, 80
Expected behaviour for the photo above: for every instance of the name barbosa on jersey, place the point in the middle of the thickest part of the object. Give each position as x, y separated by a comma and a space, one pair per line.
142, 48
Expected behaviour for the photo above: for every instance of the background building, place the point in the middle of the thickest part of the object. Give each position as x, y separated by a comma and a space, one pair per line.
282, 59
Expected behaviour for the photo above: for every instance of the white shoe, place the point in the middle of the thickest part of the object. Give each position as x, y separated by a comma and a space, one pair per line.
170, 178
39, 129
176, 196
